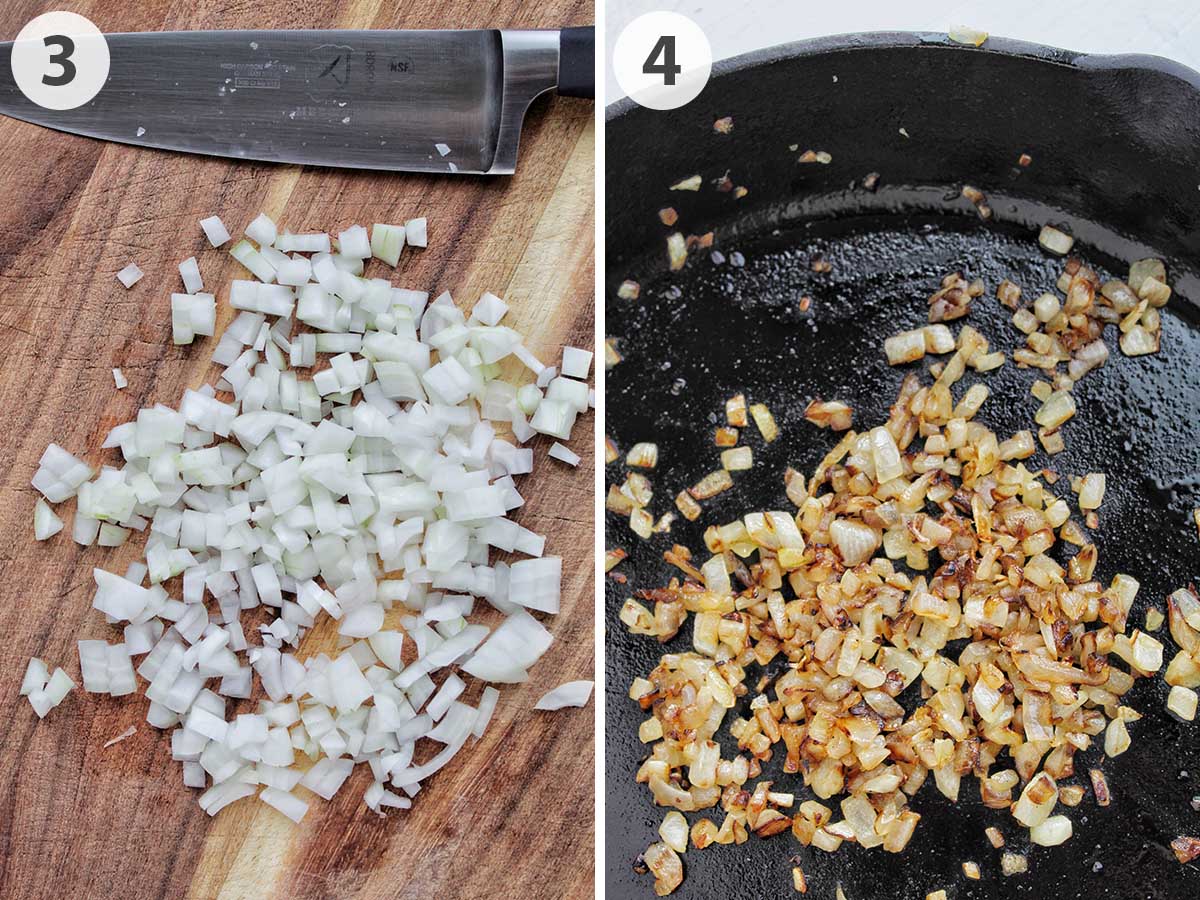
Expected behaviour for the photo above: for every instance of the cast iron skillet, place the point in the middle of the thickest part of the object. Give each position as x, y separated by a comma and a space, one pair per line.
1115, 146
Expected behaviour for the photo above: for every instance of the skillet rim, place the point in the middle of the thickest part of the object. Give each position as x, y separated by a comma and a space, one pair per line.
934, 41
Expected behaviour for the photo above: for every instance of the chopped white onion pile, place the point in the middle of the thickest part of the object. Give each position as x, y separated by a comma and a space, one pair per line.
371, 492
45, 691
573, 693
130, 275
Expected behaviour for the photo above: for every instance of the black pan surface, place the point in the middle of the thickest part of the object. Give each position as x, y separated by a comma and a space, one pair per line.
1116, 161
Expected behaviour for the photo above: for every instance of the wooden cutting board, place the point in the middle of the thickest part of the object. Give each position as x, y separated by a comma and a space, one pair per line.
514, 818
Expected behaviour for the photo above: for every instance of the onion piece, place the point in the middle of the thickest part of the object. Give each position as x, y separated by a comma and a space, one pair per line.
564, 454
512, 648
45, 699
287, 803
571, 693
1182, 701
127, 733
642, 455
764, 421
387, 243
215, 230
1055, 241
674, 831
130, 275
737, 459
1091, 491
189, 271
354, 242
36, 676
416, 231
854, 541
535, 583
1186, 848
576, 363
262, 230
962, 34
1013, 864
676, 251
665, 865
45, 523
1052, 832
486, 709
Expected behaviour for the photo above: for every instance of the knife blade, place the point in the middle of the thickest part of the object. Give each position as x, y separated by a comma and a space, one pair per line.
420, 101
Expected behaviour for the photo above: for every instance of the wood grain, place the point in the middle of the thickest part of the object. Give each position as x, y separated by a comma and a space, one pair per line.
515, 818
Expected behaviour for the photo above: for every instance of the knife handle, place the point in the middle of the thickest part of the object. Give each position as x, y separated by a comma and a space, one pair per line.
577, 62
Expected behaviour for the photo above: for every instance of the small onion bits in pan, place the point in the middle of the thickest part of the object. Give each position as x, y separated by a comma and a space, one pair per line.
917, 556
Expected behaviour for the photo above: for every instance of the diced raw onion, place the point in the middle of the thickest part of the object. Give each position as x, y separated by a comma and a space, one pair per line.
130, 275
415, 231
387, 242
45, 523
378, 484
189, 271
564, 454
572, 693
262, 230
36, 676
215, 230
577, 363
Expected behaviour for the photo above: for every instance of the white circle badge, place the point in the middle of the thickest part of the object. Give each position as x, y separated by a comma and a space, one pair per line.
662, 60
60, 60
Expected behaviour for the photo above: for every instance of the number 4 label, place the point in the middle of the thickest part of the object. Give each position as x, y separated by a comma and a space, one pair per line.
664, 49
60, 60
662, 60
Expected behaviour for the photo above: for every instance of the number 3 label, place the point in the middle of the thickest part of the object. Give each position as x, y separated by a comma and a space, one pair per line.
662, 60
60, 60
66, 47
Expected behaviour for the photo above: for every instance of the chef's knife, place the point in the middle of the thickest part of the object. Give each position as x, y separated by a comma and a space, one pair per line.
421, 101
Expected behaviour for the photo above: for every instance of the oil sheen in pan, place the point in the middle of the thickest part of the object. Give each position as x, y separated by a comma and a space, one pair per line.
698, 336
